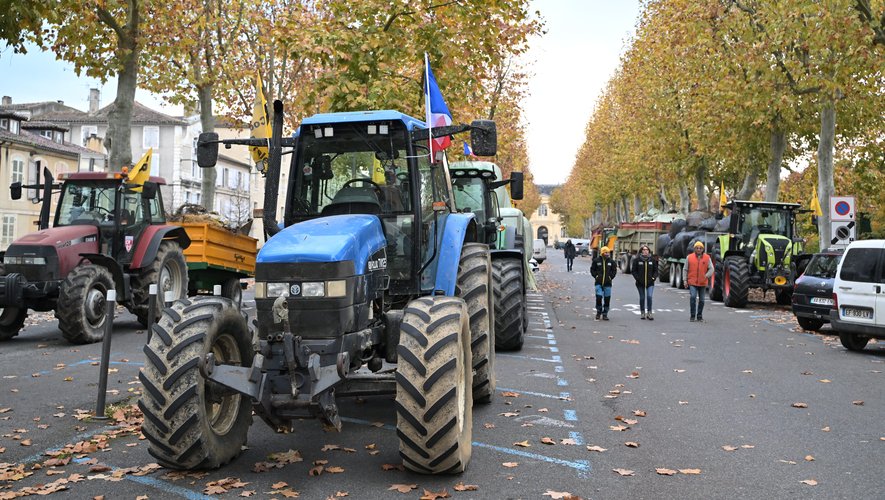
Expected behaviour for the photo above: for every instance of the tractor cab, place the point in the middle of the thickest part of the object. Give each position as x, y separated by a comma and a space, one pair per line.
478, 188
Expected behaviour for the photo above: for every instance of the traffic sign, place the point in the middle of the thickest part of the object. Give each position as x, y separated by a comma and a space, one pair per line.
842, 208
842, 233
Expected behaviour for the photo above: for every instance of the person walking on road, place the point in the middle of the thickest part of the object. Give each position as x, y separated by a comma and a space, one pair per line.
570, 253
697, 271
645, 272
604, 270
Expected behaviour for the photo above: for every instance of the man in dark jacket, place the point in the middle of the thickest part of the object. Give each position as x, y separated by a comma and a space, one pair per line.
569, 255
645, 271
604, 270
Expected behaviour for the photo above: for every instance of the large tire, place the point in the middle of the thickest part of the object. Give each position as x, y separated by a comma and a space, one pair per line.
853, 342
168, 271
231, 289
434, 415
810, 324
12, 319
189, 423
716, 285
510, 305
664, 271
735, 286
679, 284
474, 280
82, 304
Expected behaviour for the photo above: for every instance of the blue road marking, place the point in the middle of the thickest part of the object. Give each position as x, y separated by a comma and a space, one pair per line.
554, 349
551, 342
576, 437
539, 394
570, 415
157, 483
561, 382
565, 395
517, 356
559, 369
90, 361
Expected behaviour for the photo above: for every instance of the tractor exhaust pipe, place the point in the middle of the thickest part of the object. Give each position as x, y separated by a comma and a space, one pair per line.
272, 183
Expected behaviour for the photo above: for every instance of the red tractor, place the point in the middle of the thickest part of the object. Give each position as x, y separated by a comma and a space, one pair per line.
107, 234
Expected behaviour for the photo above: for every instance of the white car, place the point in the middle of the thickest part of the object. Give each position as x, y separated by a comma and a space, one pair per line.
539, 250
859, 294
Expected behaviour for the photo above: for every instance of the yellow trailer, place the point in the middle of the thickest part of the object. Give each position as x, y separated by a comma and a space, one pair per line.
217, 256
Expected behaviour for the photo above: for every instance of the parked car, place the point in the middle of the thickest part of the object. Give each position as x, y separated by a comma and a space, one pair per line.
813, 291
533, 264
539, 250
859, 294
582, 246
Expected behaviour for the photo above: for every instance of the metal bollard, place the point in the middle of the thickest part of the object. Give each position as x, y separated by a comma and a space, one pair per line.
168, 298
216, 290
152, 309
111, 299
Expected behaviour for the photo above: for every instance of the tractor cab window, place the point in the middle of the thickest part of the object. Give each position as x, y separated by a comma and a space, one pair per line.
760, 221
469, 196
86, 203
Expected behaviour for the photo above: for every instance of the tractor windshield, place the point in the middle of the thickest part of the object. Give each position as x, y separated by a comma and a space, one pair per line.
469, 195
86, 203
758, 221
352, 168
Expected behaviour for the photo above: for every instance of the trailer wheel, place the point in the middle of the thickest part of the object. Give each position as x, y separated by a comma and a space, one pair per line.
434, 415
231, 289
168, 271
82, 304
735, 282
474, 280
191, 423
679, 284
664, 271
510, 305
12, 319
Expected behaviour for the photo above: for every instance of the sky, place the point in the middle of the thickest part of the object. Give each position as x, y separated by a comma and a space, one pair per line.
569, 67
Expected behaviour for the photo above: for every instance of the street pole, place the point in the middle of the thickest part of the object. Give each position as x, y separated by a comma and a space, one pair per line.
111, 299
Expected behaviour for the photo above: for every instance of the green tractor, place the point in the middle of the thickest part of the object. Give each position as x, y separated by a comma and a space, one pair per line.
479, 188
760, 250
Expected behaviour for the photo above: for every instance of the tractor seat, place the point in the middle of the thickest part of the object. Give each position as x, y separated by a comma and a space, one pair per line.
354, 200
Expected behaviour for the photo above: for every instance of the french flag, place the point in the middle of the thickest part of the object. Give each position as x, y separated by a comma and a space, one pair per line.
468, 151
438, 114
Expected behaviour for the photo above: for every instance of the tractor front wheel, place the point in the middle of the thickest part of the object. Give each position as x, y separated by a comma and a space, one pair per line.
434, 414
510, 304
12, 319
82, 304
474, 280
190, 422
735, 282
716, 281
168, 271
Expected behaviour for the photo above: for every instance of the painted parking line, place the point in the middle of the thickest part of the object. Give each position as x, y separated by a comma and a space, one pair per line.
555, 359
561, 395
156, 483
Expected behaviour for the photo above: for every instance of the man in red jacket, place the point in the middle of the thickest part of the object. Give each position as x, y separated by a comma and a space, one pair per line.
697, 271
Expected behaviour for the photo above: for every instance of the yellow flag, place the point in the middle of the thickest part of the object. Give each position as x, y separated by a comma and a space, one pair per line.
722, 198
141, 172
259, 126
378, 173
815, 204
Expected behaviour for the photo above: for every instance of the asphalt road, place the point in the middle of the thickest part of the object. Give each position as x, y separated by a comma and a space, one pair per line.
718, 399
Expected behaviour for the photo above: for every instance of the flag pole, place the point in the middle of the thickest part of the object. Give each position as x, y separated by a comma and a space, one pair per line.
427, 105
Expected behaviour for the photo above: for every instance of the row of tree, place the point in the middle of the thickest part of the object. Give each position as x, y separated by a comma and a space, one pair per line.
736, 92
327, 56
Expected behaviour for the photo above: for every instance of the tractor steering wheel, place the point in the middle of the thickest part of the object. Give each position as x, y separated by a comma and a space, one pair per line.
364, 181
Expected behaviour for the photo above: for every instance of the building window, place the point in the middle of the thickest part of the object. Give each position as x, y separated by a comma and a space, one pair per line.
4, 123
18, 170
542, 210
7, 231
59, 137
87, 131
151, 137
46, 133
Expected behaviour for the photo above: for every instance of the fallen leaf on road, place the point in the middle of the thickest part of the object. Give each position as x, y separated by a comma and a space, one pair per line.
618, 428
809, 482
524, 444
25, 442
488, 425
809, 458
334, 469
623, 472
799, 405
558, 495
547, 440
600, 449
568, 441
402, 488
465, 487
632, 444
433, 495
747, 371
510, 394
247, 493
639, 413
788, 462
398, 467
543, 410
508, 414
807, 372
510, 465
729, 447
690, 471
857, 403
316, 471
748, 446
665, 472
683, 402
630, 421
678, 370
824, 381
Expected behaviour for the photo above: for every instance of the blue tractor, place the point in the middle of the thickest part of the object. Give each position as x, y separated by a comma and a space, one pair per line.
371, 284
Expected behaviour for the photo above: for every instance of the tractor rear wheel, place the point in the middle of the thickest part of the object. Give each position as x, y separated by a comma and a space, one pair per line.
82, 304
735, 286
231, 289
12, 319
510, 305
716, 281
474, 280
434, 414
168, 271
189, 422
664, 271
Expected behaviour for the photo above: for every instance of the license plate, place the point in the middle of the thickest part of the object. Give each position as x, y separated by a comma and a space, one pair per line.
850, 312
821, 301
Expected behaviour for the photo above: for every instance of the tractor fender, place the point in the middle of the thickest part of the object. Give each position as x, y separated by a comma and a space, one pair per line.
507, 254
455, 228
121, 280
149, 243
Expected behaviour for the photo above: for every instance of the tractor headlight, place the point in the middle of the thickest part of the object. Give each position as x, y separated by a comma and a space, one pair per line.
264, 290
18, 260
336, 288
12, 260
313, 289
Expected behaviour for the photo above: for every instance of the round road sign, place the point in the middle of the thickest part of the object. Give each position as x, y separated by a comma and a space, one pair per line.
843, 208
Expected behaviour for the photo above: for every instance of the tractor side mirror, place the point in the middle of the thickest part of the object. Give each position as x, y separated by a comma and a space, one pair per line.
516, 185
149, 190
15, 190
484, 137
207, 150
719, 216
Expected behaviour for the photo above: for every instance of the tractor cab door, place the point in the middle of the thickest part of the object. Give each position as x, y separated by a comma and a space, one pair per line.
136, 213
436, 196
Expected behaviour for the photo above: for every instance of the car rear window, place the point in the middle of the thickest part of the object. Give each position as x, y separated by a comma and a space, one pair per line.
860, 264
823, 266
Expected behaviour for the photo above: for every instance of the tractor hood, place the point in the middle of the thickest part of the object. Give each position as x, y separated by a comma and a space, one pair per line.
58, 237
343, 239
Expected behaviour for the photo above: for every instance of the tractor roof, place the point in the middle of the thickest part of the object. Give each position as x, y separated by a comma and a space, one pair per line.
761, 204
475, 169
100, 176
363, 116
